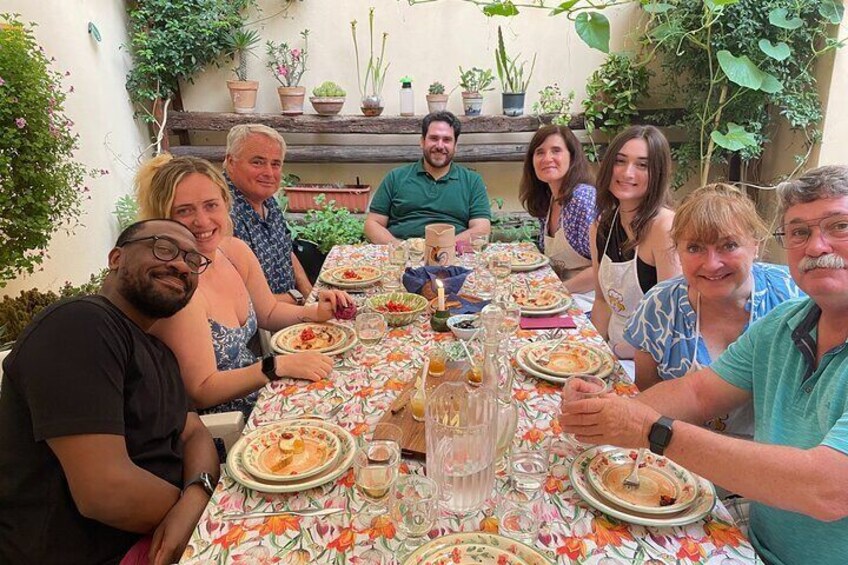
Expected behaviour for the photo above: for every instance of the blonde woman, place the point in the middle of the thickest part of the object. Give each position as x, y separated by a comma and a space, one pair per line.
209, 336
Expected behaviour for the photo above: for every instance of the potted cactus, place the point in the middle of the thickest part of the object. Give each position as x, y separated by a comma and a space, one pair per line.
243, 92
328, 98
474, 83
513, 80
437, 100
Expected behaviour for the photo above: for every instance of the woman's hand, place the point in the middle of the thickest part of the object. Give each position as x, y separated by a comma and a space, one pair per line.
327, 302
308, 365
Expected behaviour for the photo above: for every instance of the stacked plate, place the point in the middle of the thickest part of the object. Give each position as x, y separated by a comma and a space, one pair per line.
325, 338
541, 302
667, 495
568, 359
351, 277
528, 261
472, 548
291, 456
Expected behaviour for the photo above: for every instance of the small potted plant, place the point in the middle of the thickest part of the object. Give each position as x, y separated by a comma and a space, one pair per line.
240, 43
474, 83
511, 75
288, 64
328, 98
301, 196
437, 100
375, 71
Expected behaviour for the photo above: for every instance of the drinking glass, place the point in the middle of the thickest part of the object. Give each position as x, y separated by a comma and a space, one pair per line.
479, 241
438, 361
529, 464
370, 328
484, 284
375, 468
518, 515
414, 509
512, 316
500, 265
580, 387
391, 280
397, 253
415, 248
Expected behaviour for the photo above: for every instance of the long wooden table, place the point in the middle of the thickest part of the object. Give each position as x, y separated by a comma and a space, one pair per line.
571, 530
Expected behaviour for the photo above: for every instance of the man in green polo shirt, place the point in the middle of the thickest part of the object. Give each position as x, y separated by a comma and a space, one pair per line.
433, 190
793, 365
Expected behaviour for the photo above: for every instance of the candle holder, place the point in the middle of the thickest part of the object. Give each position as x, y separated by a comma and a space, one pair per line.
439, 320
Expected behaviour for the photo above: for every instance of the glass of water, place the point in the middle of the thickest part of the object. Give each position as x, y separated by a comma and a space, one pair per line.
414, 509
398, 254
370, 328
500, 265
518, 513
581, 387
529, 464
375, 468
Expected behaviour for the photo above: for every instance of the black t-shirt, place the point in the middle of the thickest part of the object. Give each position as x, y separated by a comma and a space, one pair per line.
81, 367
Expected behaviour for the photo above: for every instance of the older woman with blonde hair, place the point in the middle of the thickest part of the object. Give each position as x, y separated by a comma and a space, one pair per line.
210, 336
685, 322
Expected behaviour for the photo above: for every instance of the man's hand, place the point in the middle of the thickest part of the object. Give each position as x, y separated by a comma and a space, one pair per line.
308, 365
172, 535
608, 420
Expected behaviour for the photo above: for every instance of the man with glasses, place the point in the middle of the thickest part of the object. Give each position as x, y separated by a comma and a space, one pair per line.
793, 365
97, 447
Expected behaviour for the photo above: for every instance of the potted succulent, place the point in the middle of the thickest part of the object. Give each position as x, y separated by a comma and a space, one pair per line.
288, 64
474, 83
437, 100
328, 98
375, 71
242, 91
511, 75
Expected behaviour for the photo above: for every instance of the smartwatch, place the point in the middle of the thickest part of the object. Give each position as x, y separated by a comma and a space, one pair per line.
297, 295
660, 435
269, 367
204, 480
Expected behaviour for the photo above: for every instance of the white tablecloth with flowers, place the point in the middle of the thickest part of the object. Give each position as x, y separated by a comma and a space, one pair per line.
571, 530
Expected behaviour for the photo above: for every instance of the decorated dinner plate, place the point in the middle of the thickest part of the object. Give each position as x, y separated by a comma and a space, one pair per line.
285, 453
605, 370
701, 507
523, 261
538, 299
355, 275
564, 305
236, 470
311, 336
664, 487
475, 548
568, 359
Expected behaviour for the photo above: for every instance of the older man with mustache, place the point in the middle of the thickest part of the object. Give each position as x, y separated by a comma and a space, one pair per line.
793, 365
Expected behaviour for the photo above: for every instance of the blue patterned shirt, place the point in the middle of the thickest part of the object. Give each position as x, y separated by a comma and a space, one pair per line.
574, 220
269, 239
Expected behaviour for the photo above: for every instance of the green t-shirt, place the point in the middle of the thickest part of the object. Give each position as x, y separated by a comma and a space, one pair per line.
412, 199
798, 405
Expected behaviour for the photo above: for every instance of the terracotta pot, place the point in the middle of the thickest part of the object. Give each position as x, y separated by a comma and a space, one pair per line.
327, 106
291, 99
243, 93
437, 102
472, 102
301, 197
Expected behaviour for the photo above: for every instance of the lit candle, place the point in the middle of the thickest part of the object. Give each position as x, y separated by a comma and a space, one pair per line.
440, 292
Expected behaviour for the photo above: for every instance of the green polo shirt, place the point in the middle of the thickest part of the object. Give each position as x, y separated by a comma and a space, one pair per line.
799, 404
412, 199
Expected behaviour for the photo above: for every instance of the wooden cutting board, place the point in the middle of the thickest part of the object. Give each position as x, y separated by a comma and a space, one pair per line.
414, 443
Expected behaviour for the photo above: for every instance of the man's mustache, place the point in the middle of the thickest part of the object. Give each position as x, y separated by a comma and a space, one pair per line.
829, 261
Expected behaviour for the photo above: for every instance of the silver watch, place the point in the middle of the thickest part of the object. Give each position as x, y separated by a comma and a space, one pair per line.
204, 480
297, 295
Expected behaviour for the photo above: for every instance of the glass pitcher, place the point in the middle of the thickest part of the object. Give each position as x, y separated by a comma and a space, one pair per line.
461, 426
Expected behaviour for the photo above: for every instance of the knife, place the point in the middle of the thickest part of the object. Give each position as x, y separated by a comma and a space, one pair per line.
304, 512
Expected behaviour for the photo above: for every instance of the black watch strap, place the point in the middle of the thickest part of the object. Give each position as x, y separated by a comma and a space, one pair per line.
660, 435
269, 367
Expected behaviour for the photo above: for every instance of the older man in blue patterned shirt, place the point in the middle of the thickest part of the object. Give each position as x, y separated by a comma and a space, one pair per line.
253, 168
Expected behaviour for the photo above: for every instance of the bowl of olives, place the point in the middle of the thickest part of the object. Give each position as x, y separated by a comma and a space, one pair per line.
464, 326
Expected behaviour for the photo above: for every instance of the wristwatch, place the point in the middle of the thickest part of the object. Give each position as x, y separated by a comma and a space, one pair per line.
204, 480
660, 435
297, 295
269, 367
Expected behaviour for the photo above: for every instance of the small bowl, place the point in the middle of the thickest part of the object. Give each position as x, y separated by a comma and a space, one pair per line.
463, 333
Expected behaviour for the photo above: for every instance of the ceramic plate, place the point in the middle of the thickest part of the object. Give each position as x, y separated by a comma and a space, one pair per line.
702, 506
561, 307
237, 472
355, 275
607, 365
317, 337
349, 341
327, 278
664, 487
523, 261
538, 299
286, 453
475, 547
568, 359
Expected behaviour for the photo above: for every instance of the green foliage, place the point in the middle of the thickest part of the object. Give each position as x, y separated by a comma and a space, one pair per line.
173, 40
286, 63
554, 103
476, 79
436, 88
510, 72
375, 70
329, 226
240, 44
329, 89
594, 29
41, 185
126, 211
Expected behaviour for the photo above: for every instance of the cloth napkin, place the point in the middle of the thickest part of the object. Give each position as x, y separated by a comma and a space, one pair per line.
465, 306
422, 280
547, 322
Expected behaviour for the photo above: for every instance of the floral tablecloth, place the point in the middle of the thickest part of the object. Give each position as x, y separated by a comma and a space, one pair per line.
571, 530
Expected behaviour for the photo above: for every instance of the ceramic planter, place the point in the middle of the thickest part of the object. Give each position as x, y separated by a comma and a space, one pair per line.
513, 103
301, 197
291, 99
437, 102
327, 105
243, 93
472, 103
372, 105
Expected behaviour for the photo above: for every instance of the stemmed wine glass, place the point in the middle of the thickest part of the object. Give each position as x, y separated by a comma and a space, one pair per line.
414, 509
375, 468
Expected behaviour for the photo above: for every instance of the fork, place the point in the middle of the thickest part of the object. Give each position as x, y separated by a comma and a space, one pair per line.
632, 480
545, 358
309, 416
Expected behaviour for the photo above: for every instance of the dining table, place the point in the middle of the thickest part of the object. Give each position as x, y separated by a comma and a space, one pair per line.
571, 530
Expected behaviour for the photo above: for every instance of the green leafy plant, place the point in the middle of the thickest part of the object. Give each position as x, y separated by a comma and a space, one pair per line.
329, 226
240, 44
375, 70
476, 79
510, 72
286, 63
436, 88
329, 89
126, 211
552, 102
41, 185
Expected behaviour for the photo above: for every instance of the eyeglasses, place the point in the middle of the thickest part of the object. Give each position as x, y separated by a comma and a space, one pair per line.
834, 228
166, 250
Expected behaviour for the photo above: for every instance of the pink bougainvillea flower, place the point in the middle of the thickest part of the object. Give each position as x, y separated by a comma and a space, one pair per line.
296, 53
2, 82
21, 123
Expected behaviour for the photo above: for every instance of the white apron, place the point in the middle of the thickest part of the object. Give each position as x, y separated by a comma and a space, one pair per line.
566, 262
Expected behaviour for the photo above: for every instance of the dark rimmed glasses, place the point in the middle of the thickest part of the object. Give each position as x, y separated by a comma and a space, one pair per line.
796, 234
166, 250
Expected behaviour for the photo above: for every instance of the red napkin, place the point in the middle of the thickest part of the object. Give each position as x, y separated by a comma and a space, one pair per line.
547, 322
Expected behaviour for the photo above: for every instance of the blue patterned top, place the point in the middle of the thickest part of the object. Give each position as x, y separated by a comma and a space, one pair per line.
664, 323
575, 219
269, 239
231, 352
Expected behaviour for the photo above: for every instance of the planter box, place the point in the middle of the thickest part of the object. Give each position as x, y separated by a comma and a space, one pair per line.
354, 197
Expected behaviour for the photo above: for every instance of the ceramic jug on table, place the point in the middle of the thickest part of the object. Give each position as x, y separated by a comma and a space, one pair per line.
440, 244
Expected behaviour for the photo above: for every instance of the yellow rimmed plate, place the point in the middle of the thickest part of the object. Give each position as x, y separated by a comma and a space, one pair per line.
605, 370
568, 359
538, 299
296, 339
523, 261
474, 548
336, 277
263, 457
